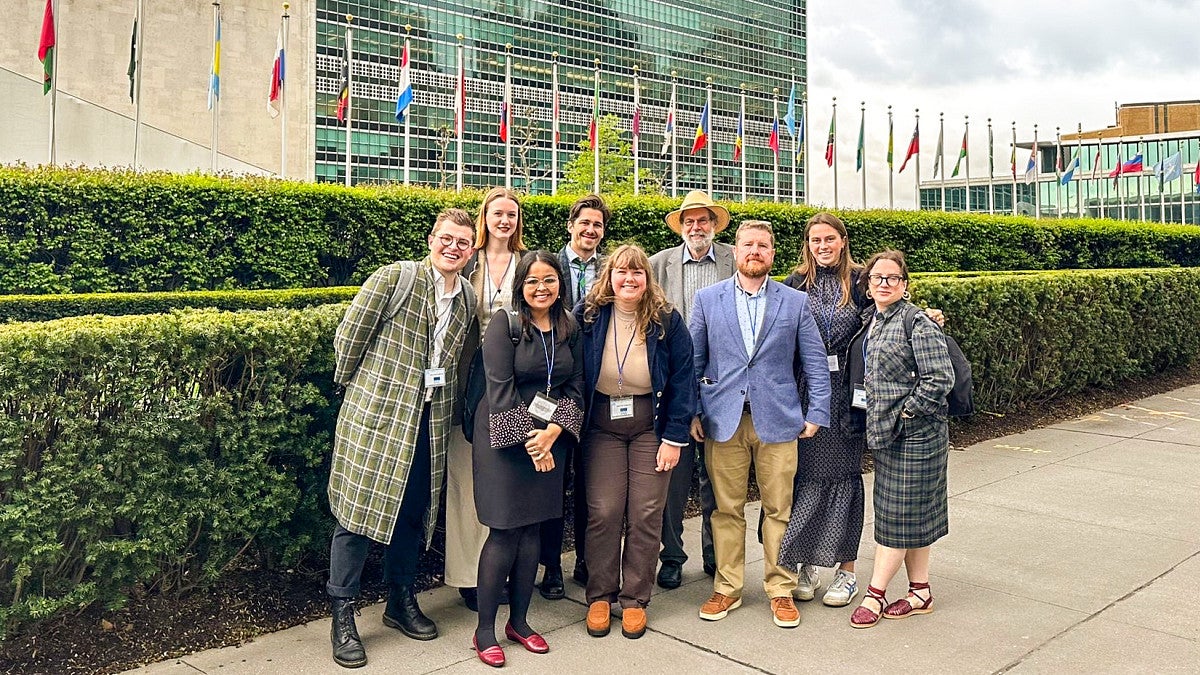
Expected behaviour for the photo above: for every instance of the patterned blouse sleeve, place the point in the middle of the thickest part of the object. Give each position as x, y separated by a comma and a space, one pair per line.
509, 422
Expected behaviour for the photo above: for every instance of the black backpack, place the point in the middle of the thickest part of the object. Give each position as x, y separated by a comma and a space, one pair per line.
961, 399
477, 381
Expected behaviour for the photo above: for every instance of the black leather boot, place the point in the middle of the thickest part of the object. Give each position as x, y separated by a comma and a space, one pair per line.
403, 614
348, 651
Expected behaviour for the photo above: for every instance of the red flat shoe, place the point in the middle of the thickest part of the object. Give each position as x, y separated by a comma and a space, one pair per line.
904, 607
492, 656
534, 643
864, 617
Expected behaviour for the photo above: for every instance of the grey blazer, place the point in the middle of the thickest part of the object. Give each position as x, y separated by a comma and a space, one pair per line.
668, 270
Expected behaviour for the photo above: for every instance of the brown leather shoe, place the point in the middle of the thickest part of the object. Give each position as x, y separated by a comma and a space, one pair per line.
598, 618
633, 622
784, 611
718, 607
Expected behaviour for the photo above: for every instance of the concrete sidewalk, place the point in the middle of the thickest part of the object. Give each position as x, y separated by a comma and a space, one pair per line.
1072, 548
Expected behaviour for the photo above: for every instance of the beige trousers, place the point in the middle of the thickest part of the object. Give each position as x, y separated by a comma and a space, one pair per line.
464, 533
729, 471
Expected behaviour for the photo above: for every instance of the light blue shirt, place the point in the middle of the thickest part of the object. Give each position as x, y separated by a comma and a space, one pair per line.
711, 255
751, 307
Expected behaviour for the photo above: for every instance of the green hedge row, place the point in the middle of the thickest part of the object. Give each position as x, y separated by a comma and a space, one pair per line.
46, 307
152, 451
80, 231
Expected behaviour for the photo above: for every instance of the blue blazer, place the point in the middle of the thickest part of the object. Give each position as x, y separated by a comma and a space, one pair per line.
669, 355
788, 345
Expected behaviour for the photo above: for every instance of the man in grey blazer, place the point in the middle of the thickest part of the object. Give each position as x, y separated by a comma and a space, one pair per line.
758, 357
681, 271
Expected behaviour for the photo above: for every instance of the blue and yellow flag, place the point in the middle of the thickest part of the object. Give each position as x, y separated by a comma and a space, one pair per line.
214, 84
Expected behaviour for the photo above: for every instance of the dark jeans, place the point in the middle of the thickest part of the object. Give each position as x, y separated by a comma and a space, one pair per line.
348, 551
552, 530
677, 500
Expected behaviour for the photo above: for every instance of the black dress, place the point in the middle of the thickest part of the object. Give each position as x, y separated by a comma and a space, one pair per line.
509, 493
827, 502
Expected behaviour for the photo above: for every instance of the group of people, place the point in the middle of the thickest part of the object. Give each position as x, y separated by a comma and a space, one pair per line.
617, 374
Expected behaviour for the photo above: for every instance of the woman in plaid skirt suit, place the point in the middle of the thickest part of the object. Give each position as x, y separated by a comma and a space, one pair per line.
905, 385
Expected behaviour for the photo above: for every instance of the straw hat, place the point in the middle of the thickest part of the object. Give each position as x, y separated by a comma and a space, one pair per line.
697, 199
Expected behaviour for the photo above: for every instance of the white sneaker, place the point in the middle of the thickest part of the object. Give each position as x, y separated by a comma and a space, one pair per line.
842, 590
807, 583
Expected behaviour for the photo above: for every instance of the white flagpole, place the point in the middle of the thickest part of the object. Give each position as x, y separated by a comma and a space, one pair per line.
674, 114
408, 116
1057, 172
349, 91
286, 18
1078, 168
1162, 185
596, 121
795, 149
554, 128
862, 126
52, 150
711, 136
1119, 180
1183, 181
917, 166
460, 121
742, 150
804, 151
891, 159
941, 160
774, 155
1037, 170
991, 170
835, 157
508, 104
216, 96
1014, 168
967, 143
636, 134
139, 18
1141, 194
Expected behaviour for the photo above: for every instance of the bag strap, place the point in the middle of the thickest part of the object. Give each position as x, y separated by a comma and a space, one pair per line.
404, 286
910, 319
514, 327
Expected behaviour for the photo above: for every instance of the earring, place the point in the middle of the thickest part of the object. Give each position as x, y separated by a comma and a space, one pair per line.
907, 295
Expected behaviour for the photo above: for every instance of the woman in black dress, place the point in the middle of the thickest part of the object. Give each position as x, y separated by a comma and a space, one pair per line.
524, 427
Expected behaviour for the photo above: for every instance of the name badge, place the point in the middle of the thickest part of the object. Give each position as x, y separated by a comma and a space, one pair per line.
542, 407
620, 408
833, 363
435, 377
859, 400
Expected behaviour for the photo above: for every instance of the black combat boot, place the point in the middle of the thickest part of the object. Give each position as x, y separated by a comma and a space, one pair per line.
348, 649
403, 614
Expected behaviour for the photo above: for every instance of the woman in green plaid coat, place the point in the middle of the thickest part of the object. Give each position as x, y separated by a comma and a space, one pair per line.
907, 378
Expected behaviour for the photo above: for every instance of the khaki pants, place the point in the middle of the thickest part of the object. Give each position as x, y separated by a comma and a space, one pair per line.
729, 471
464, 533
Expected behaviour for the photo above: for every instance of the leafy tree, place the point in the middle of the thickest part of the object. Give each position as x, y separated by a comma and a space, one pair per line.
616, 165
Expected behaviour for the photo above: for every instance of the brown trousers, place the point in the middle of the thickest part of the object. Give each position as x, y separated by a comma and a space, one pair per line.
619, 458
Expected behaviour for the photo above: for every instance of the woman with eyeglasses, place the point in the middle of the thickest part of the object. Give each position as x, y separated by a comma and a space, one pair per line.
906, 377
525, 425
641, 396
497, 249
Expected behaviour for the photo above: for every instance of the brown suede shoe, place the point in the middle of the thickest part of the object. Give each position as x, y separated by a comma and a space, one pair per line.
718, 607
633, 622
784, 611
598, 618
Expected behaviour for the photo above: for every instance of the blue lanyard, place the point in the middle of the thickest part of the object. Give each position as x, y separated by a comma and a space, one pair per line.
621, 360
549, 352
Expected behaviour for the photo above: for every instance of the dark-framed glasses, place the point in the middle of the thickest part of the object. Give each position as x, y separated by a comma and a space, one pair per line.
450, 241
885, 279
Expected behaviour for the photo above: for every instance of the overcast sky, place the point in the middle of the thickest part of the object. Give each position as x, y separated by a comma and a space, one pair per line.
1029, 61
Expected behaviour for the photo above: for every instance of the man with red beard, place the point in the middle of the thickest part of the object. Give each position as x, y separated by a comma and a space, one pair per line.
758, 356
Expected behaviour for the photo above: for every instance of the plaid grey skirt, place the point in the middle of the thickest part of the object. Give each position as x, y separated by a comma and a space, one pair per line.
910, 485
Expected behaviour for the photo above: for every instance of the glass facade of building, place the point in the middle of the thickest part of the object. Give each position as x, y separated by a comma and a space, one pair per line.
760, 44
1092, 192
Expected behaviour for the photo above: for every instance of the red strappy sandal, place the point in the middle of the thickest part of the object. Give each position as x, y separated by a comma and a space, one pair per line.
903, 607
865, 618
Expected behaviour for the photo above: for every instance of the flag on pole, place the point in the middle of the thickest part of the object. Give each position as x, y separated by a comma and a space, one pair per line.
1031, 167
344, 96
556, 122
701, 131
829, 144
214, 83
46, 47
132, 70
1070, 173
594, 128
669, 127
1058, 157
860, 152
1169, 169
790, 118
914, 147
504, 121
737, 141
1133, 165
800, 140
460, 103
1197, 180
937, 156
405, 98
1096, 162
773, 139
635, 126
991, 152
278, 77
962, 155
1013, 159
891, 144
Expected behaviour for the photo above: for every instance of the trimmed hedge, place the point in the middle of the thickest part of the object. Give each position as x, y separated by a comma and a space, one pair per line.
153, 451
71, 230
46, 307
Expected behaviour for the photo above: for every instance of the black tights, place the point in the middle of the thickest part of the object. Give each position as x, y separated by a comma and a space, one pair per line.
510, 555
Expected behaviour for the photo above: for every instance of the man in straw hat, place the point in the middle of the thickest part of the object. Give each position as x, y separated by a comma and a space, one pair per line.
682, 270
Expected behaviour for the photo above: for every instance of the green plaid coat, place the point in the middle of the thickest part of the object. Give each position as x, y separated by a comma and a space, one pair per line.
381, 358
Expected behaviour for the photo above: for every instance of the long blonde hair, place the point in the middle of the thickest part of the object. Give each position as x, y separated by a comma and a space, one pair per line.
653, 305
845, 264
516, 242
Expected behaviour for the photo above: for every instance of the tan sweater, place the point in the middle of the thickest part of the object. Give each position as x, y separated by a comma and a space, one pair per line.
635, 369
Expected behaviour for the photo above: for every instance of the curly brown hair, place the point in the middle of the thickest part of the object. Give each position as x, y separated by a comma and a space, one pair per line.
652, 307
